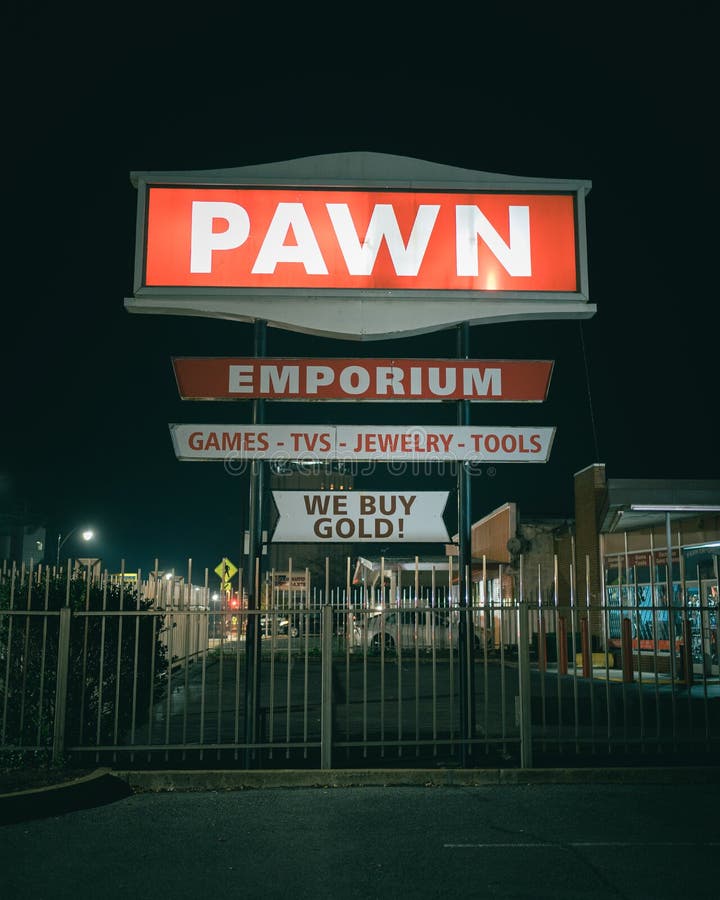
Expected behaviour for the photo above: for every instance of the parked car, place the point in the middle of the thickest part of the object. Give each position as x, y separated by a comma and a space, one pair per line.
408, 629
310, 622
302, 623
276, 623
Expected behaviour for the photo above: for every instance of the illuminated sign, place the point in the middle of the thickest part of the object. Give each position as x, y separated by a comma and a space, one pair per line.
334, 516
337, 245
382, 443
362, 379
379, 240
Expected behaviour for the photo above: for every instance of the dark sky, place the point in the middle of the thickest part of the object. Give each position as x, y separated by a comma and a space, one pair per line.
88, 389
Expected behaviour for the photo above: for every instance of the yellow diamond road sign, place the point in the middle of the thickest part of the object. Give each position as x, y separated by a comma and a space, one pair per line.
225, 569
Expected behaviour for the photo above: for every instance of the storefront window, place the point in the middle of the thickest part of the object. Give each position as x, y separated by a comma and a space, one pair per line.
637, 589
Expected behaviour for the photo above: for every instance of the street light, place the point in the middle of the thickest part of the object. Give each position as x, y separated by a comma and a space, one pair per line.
87, 535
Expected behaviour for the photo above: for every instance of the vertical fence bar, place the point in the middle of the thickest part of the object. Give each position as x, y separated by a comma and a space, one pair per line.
274, 627
398, 669
467, 661
118, 668
61, 684
211, 617
588, 629
711, 608
306, 664
639, 630
364, 638
605, 607
687, 637
716, 607
487, 637
153, 638
41, 696
293, 618
632, 599
627, 667
585, 643
253, 646
349, 636
326, 690
499, 605
136, 653
185, 601
170, 626
560, 648
382, 656
526, 748
671, 628
573, 627
242, 614
656, 643
542, 654
426, 613
101, 667
83, 677
451, 660
26, 652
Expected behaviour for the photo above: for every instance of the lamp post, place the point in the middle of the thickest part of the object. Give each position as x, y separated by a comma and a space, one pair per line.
87, 535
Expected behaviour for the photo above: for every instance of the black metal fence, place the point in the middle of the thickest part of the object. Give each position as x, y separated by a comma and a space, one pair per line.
121, 670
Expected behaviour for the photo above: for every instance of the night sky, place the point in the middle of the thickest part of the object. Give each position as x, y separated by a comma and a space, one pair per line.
88, 389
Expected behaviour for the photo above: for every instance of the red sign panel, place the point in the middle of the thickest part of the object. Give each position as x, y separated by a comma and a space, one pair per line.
362, 379
364, 240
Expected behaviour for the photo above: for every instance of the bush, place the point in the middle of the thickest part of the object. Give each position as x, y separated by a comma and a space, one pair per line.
115, 662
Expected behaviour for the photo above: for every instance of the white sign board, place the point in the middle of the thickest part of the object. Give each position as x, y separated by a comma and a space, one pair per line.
337, 516
295, 582
382, 443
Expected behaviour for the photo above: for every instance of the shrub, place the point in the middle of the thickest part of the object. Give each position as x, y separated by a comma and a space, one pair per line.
115, 662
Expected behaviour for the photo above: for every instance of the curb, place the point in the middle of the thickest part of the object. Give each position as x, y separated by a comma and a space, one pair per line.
96, 789
237, 780
105, 786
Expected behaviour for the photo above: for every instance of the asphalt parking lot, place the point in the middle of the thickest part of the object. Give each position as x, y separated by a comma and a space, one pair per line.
646, 837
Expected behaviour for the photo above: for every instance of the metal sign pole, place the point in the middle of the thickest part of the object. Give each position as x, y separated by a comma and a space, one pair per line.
465, 634
254, 568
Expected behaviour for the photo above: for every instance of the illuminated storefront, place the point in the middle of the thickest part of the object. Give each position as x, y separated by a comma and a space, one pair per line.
669, 608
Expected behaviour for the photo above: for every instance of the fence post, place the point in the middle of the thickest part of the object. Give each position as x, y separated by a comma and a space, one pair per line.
542, 641
562, 648
586, 652
526, 754
61, 683
686, 652
326, 691
626, 650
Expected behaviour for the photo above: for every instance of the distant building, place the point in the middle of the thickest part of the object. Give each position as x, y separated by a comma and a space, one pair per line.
22, 538
611, 561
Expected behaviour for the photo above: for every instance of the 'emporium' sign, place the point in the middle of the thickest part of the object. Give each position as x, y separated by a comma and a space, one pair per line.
203, 378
